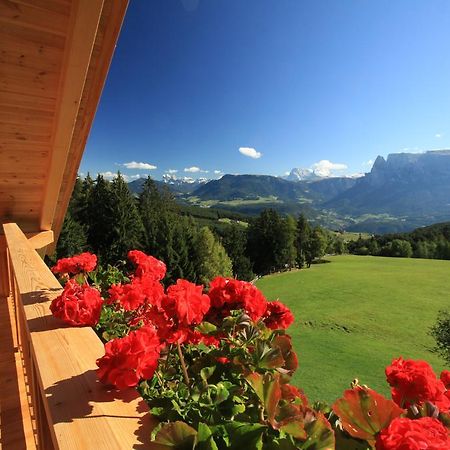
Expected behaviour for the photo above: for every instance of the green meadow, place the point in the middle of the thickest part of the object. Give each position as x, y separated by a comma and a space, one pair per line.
356, 313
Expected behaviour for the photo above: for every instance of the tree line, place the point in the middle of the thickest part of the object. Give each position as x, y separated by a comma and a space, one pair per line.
106, 218
431, 242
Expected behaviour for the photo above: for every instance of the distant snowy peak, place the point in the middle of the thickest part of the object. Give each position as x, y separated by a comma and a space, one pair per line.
176, 181
299, 174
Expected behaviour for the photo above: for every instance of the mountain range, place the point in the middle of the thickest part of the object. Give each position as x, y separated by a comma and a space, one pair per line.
401, 192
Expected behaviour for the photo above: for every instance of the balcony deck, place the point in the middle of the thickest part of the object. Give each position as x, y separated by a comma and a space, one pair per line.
16, 425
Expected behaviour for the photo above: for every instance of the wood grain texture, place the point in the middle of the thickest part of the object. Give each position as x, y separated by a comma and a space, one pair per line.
81, 412
16, 431
83, 30
108, 32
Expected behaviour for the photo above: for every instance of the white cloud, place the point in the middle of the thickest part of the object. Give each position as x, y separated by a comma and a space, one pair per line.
368, 163
438, 135
172, 171
325, 168
111, 175
195, 169
250, 152
139, 165
218, 172
108, 175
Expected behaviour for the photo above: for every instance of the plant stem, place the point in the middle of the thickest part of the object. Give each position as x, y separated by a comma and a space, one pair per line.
183, 365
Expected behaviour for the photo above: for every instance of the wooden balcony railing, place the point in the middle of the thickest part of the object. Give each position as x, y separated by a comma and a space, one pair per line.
69, 408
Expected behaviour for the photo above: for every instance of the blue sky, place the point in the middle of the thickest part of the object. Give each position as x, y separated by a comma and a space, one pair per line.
294, 82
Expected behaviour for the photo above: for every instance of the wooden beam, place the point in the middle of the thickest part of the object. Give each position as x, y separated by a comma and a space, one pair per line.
85, 18
41, 239
108, 33
81, 412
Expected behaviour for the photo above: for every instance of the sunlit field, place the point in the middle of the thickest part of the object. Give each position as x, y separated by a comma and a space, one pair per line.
355, 314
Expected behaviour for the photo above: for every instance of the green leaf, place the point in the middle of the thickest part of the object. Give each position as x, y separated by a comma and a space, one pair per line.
245, 435
295, 428
222, 393
178, 435
267, 388
205, 439
272, 359
284, 443
206, 328
320, 435
364, 413
206, 372
343, 440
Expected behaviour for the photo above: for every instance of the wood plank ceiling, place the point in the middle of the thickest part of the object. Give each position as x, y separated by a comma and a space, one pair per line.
54, 57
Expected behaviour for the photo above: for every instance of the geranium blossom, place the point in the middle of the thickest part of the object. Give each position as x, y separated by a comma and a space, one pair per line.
129, 359
425, 433
227, 294
278, 316
415, 382
186, 303
147, 265
84, 262
78, 305
139, 291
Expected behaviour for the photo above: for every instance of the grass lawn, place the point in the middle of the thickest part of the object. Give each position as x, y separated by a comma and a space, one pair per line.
355, 314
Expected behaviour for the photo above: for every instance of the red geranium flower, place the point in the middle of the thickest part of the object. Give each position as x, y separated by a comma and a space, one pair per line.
278, 316
129, 359
227, 294
445, 378
225, 291
254, 302
421, 434
148, 265
415, 382
186, 303
141, 290
85, 262
78, 305
222, 360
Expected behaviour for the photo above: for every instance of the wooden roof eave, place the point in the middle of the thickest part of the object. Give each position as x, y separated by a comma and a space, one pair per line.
95, 28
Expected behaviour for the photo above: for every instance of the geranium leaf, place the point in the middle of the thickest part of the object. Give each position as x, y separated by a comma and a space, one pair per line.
245, 435
363, 412
284, 343
343, 440
295, 428
222, 393
206, 328
178, 435
271, 359
268, 390
205, 440
320, 435
206, 372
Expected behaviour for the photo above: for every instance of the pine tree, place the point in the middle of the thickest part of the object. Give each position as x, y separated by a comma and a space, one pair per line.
100, 218
316, 245
79, 201
126, 227
234, 241
212, 259
271, 242
303, 236
72, 239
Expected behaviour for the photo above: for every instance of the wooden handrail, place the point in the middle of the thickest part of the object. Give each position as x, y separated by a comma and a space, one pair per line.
72, 409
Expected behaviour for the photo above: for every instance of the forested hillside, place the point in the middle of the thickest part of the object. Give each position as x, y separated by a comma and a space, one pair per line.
195, 243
